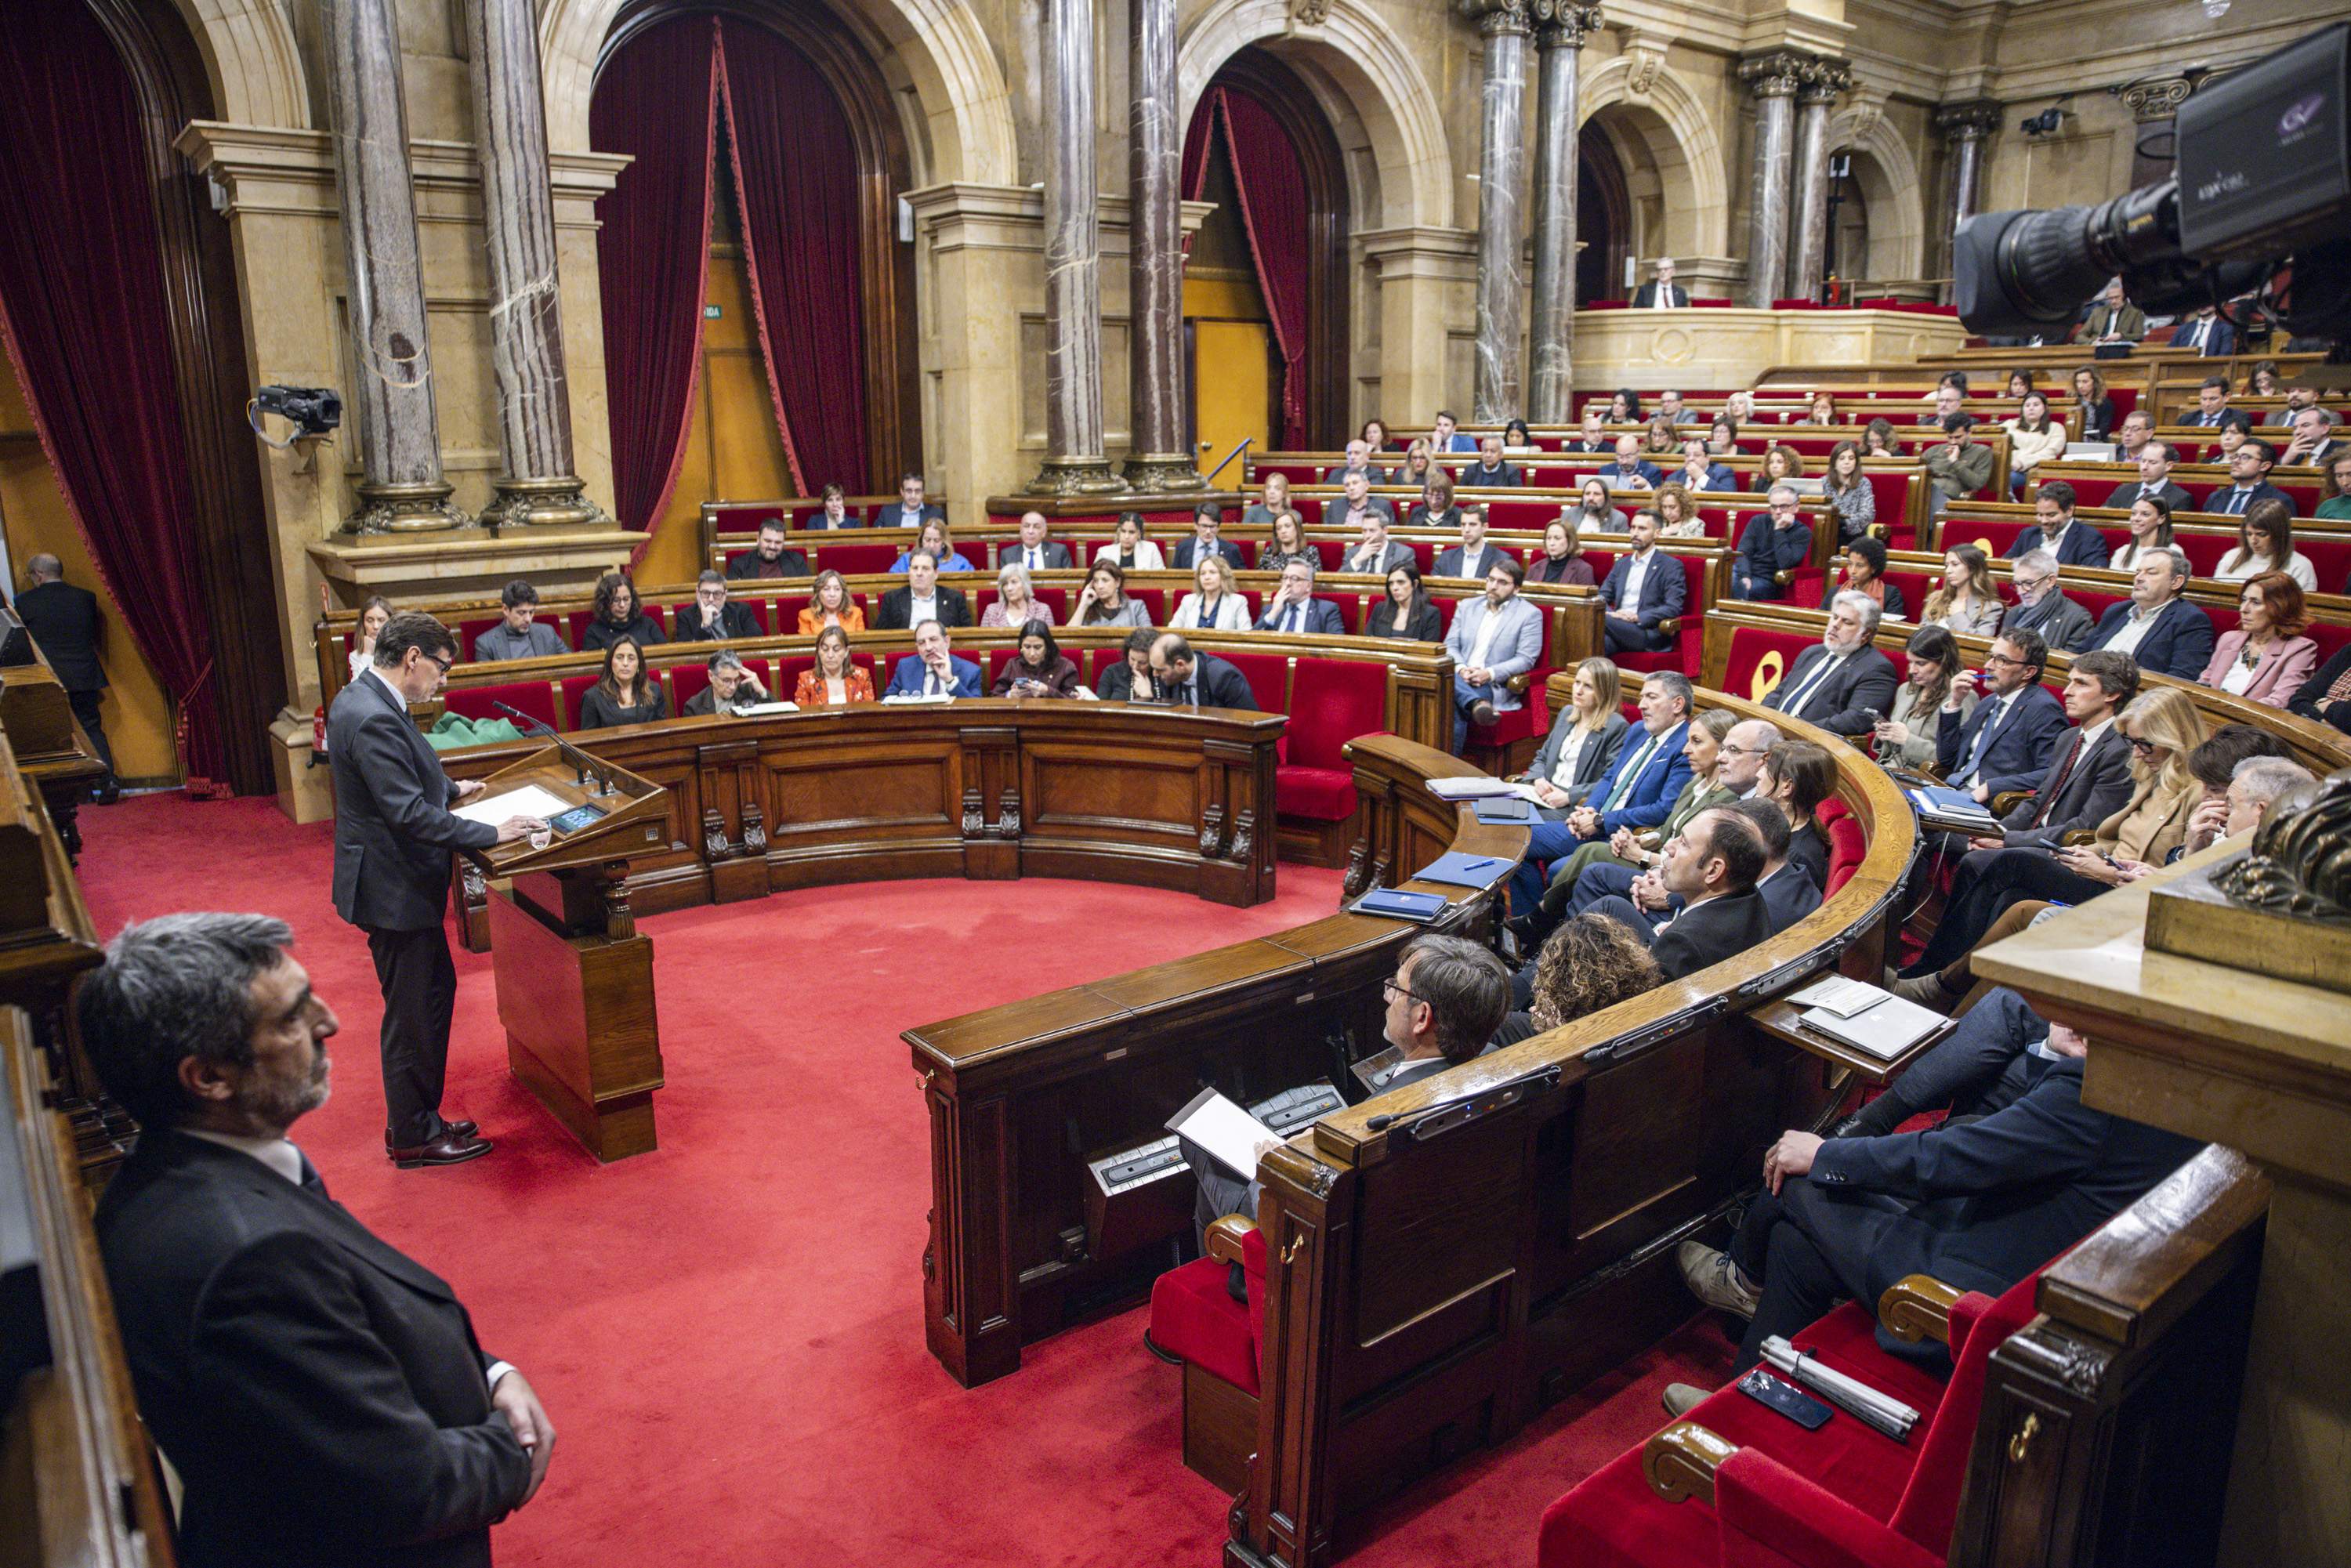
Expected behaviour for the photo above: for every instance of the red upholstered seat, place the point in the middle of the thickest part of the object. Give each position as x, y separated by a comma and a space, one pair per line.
1760, 659
574, 688
1847, 844
997, 659
1332, 701
1841, 1496
1055, 599
1318, 794
576, 623
1194, 1317
536, 698
1154, 603
1269, 678
851, 559
469, 630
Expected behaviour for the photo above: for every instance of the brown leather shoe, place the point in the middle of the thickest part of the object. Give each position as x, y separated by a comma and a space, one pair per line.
449, 1129
448, 1149
1482, 714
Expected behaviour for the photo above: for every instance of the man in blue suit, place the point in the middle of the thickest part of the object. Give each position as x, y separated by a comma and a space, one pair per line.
2159, 629
1977, 1203
1645, 588
1443, 437
2249, 476
1208, 517
1293, 607
2073, 543
1631, 471
931, 670
1493, 638
2206, 334
1699, 470
1637, 792
2006, 741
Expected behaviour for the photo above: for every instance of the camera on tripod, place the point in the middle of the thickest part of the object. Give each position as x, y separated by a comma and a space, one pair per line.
2263, 179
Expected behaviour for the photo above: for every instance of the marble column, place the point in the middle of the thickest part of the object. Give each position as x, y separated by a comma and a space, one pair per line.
1561, 28
1772, 79
1501, 282
1816, 94
1155, 256
1074, 463
2153, 105
1965, 126
538, 486
384, 279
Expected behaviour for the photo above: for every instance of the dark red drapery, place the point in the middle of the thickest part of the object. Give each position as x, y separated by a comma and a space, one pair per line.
796, 176
656, 100
1271, 182
83, 315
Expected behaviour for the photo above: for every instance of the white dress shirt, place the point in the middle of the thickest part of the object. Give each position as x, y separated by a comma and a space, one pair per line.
1802, 695
1570, 756
921, 610
1487, 629
2136, 626
1636, 572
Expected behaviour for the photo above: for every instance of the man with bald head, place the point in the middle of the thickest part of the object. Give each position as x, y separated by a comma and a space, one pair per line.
66, 625
1035, 550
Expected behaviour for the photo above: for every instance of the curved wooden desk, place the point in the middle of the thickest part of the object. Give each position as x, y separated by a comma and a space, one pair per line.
982, 788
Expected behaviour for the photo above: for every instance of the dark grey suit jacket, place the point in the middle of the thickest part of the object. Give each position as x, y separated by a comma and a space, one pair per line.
64, 621
1865, 680
1710, 932
393, 832
2094, 790
2060, 622
1053, 552
321, 1395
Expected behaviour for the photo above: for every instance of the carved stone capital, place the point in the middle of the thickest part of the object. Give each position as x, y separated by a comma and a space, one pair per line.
1969, 121
1496, 18
1647, 53
1309, 13
1866, 113
1819, 81
1564, 23
2157, 100
1774, 75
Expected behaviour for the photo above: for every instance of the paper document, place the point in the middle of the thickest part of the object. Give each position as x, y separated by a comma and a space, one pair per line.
1228, 1133
1885, 1030
760, 710
918, 699
1836, 994
1468, 789
529, 800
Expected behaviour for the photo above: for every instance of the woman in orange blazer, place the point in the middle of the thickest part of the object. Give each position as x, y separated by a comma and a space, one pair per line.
835, 681
832, 607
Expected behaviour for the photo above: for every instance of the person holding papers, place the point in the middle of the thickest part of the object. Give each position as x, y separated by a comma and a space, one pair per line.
1976, 1204
1448, 997
393, 835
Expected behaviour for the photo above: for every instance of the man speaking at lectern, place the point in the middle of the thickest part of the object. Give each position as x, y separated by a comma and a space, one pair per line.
393, 837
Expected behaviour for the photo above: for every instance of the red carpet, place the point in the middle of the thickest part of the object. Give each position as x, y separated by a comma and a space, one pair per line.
729, 1333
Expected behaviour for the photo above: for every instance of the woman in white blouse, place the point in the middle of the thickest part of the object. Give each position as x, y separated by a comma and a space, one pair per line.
1132, 551
373, 615
2265, 543
1216, 607
2033, 437
2150, 529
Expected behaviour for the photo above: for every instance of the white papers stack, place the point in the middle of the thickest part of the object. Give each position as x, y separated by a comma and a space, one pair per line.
531, 800
1885, 1027
1468, 788
1228, 1133
918, 699
1858, 1399
1836, 994
758, 710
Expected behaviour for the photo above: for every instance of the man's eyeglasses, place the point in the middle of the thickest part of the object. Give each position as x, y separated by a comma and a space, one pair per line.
446, 664
2001, 659
1391, 990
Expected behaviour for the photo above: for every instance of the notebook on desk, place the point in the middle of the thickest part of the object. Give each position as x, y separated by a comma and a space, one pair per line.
1396, 904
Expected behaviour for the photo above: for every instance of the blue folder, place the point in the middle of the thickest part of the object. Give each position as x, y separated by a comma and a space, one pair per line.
1465, 870
1400, 906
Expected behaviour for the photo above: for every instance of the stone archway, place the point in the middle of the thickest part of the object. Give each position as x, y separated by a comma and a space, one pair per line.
1363, 77
1889, 177
1656, 119
962, 125
251, 56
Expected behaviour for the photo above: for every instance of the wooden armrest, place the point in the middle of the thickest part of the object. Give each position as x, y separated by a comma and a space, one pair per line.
1878, 531
1519, 682
1783, 577
1917, 1307
1680, 1461
2077, 836
1226, 1236
2008, 800
1671, 626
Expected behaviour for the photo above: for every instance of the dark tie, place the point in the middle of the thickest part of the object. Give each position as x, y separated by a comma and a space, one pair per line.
2236, 503
1289, 621
1983, 743
1034, 564
311, 1183
2057, 785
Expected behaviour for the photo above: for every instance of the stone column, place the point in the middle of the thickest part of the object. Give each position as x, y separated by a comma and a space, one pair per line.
1816, 93
1074, 461
1561, 28
1501, 169
399, 433
1965, 126
538, 486
1772, 79
1154, 262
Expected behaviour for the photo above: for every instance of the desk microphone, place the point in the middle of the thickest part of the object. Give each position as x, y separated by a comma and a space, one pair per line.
582, 763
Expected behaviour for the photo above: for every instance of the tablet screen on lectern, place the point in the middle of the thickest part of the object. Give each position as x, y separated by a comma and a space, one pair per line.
574, 819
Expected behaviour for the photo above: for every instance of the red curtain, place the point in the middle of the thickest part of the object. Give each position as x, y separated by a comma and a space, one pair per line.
796, 176
82, 314
656, 101
1272, 182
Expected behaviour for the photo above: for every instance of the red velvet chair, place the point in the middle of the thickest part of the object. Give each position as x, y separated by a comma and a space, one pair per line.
1220, 1342
1332, 701
536, 698
1841, 1496
1848, 845
469, 630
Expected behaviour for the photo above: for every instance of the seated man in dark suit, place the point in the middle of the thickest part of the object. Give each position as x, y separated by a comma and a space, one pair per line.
1712, 865
1473, 557
1207, 519
1037, 550
2006, 742
1643, 588
2071, 542
2155, 463
932, 670
912, 511
517, 634
1977, 1204
1774, 541
1196, 680
1593, 439
1788, 890
2205, 333
2041, 607
922, 599
1700, 472
66, 625
2158, 627
1294, 608
321, 1394
2212, 405
1490, 469
772, 557
1843, 684
2248, 481
1448, 997
1664, 294
1631, 471
711, 618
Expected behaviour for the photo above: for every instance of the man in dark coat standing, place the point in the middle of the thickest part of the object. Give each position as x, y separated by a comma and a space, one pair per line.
393, 837
66, 625
321, 1395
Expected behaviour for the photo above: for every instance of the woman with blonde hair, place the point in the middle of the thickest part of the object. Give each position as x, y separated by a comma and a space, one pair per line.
1584, 740
373, 615
831, 605
1639, 851
1561, 559
1016, 599
1216, 606
1677, 513
1420, 463
1269, 506
1968, 601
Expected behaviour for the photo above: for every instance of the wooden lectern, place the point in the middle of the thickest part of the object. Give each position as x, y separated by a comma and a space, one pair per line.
575, 981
